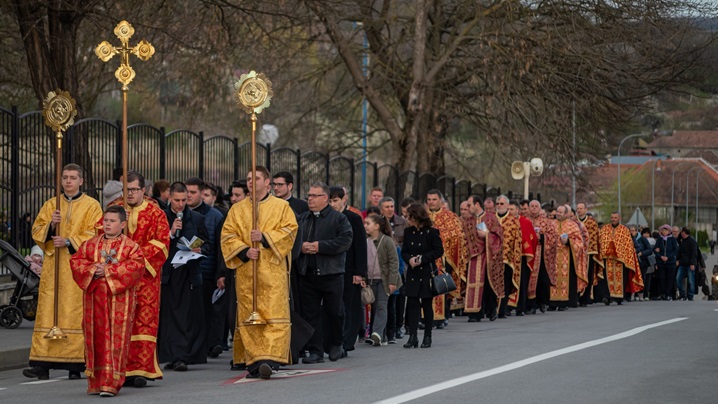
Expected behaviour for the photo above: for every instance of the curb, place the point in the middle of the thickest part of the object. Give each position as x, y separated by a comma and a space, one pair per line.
14, 358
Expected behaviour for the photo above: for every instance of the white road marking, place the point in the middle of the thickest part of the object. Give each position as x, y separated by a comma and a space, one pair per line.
516, 365
3, 388
42, 381
715, 309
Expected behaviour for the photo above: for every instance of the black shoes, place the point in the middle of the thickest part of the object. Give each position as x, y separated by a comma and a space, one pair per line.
519, 314
562, 308
177, 366
215, 351
440, 326
135, 381
473, 320
542, 307
312, 359
73, 375
265, 371
237, 367
426, 343
413, 342
335, 352
36, 372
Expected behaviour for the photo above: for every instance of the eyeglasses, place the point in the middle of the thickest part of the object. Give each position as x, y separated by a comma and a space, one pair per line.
315, 195
277, 184
134, 190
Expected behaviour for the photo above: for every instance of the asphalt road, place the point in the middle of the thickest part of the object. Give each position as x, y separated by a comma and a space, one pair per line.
641, 352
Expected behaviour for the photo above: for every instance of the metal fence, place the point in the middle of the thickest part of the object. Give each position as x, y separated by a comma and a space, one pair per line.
27, 164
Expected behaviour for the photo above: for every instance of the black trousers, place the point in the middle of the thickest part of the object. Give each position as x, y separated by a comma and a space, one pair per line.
414, 307
326, 290
489, 300
213, 320
508, 288
543, 288
391, 325
667, 279
524, 286
603, 284
586, 296
352, 312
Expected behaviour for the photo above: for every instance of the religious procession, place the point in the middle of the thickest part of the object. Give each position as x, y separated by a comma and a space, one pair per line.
144, 282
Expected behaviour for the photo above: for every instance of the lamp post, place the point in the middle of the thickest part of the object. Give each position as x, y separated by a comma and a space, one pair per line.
619, 166
698, 174
653, 194
673, 182
687, 173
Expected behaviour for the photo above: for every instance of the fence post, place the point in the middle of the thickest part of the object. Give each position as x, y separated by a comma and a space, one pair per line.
453, 195
163, 153
15, 178
299, 174
352, 170
376, 175
269, 157
201, 155
236, 160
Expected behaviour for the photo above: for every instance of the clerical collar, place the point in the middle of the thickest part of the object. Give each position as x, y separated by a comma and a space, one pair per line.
113, 237
501, 216
615, 225
583, 219
434, 211
264, 197
79, 193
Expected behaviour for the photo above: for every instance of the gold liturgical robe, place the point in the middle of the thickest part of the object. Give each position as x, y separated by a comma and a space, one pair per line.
79, 216
278, 225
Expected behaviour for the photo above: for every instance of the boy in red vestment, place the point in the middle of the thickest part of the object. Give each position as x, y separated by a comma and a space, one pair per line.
107, 268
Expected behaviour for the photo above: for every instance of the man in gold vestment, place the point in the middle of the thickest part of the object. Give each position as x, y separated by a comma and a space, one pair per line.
76, 218
594, 260
455, 254
621, 264
540, 282
263, 347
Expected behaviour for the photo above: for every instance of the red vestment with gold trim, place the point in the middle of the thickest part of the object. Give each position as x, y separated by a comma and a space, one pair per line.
566, 254
455, 255
511, 251
545, 252
109, 307
147, 226
618, 251
529, 241
485, 260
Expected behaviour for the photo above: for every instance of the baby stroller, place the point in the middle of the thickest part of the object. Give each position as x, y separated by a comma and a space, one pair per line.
23, 302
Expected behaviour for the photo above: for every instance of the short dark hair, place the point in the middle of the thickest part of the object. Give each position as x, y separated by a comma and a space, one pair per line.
212, 188
286, 175
133, 176
239, 184
646, 230
686, 230
524, 202
514, 202
373, 210
406, 202
119, 210
435, 192
196, 181
418, 213
380, 189
74, 167
178, 186
336, 192
476, 199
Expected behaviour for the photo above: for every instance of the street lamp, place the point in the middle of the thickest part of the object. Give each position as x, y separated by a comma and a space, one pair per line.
698, 174
653, 194
689, 171
673, 183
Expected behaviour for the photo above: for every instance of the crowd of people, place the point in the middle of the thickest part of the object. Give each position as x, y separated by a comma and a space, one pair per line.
176, 276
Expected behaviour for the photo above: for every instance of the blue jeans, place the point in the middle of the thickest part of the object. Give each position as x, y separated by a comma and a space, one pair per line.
682, 272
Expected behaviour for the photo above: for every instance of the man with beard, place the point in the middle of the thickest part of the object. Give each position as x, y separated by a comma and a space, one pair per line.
454, 260
594, 258
529, 240
147, 226
539, 292
621, 271
485, 270
570, 262
511, 251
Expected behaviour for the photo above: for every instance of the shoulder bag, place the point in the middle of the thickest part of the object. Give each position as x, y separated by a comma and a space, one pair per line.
442, 283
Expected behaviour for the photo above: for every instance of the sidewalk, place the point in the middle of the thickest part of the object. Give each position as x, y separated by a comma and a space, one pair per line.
15, 346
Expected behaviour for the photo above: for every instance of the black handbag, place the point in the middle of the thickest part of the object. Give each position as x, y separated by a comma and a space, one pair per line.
442, 284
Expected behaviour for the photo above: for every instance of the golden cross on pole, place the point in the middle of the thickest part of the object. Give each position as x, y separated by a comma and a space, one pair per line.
124, 74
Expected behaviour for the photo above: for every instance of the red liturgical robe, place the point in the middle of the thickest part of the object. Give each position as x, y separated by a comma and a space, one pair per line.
109, 307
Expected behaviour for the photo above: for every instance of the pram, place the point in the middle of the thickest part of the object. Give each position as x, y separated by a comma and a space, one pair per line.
23, 302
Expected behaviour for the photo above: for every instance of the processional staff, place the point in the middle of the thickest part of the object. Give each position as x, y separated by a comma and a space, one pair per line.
254, 91
124, 74
59, 111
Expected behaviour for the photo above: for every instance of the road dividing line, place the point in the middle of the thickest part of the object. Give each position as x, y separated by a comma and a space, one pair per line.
42, 381
516, 365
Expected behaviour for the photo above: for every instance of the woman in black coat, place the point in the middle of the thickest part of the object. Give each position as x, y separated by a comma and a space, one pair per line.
422, 246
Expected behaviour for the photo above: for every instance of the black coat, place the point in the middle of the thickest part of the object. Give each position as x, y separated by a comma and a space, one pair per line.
427, 243
192, 225
334, 234
688, 252
356, 264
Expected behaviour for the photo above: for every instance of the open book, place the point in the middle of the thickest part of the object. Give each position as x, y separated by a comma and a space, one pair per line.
188, 245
